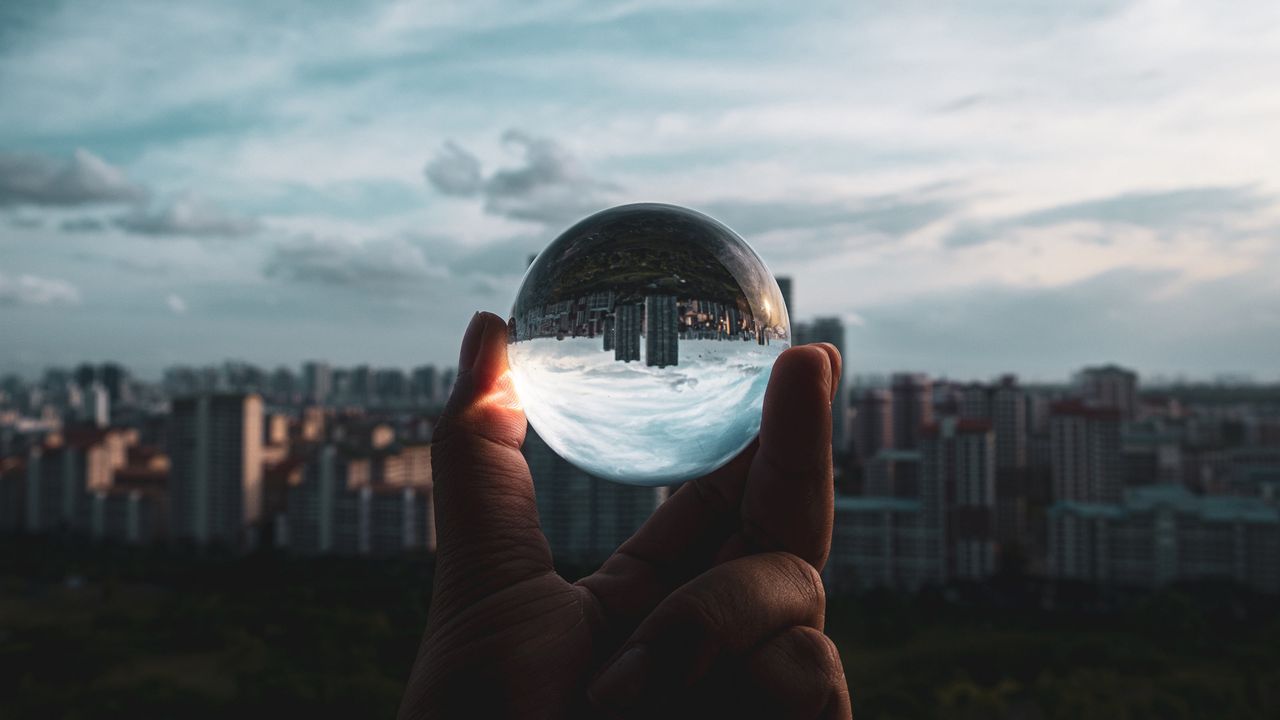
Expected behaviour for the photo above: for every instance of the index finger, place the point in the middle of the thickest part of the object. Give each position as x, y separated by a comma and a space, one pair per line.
711, 520
789, 500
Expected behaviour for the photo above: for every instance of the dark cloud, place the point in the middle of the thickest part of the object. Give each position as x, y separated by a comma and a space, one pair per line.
36, 290
83, 224
885, 214
372, 266
963, 102
137, 266
1166, 210
548, 187
26, 222
454, 171
503, 257
187, 215
83, 179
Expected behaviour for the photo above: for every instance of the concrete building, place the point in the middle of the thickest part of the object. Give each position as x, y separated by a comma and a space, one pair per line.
1009, 420
584, 518
1245, 472
63, 470
912, 408
426, 385
215, 451
1161, 534
784, 286
628, 321
1110, 386
872, 424
883, 542
1085, 456
958, 482
662, 331
892, 473
132, 516
317, 382
349, 501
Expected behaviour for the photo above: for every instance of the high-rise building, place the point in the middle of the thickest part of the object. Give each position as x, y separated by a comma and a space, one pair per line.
426, 384
361, 385
61, 474
892, 473
1162, 533
134, 516
662, 327
784, 285
323, 508
391, 386
882, 542
1009, 417
584, 518
958, 482
317, 380
1110, 386
215, 451
912, 408
359, 498
284, 385
97, 405
1085, 455
628, 320
872, 423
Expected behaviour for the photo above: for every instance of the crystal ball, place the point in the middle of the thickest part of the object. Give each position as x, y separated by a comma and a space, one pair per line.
641, 341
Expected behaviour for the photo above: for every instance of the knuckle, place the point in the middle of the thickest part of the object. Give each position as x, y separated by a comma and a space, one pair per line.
693, 612
813, 651
804, 579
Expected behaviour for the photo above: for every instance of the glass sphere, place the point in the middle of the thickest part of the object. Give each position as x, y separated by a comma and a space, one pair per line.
641, 342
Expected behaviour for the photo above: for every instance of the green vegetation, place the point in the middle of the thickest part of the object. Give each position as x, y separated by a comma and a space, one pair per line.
110, 632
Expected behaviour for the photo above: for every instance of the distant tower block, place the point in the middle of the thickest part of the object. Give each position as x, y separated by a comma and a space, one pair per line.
662, 326
626, 332
607, 333
784, 284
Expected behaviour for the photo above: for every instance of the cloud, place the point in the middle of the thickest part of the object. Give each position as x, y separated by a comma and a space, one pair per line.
380, 265
26, 222
454, 171
82, 224
83, 179
548, 186
187, 215
1158, 210
35, 290
176, 304
1047, 331
808, 230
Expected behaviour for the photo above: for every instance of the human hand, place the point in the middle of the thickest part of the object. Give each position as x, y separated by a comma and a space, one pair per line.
713, 609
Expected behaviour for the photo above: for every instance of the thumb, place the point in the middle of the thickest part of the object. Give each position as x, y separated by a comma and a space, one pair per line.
486, 519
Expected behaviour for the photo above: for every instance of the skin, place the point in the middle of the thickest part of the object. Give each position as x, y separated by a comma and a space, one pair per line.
714, 608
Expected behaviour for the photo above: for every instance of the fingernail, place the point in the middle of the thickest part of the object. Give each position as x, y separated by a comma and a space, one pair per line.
471, 342
622, 683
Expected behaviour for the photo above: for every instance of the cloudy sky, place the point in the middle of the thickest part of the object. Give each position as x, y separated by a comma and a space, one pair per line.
1011, 185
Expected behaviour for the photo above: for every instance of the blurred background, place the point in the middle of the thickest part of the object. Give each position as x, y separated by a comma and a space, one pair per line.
239, 243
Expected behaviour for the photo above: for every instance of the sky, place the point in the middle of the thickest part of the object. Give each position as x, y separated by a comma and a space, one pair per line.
975, 188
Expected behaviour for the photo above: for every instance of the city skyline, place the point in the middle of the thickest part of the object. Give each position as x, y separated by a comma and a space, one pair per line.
183, 184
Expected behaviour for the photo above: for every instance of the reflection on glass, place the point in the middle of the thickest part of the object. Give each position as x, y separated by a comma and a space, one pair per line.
641, 342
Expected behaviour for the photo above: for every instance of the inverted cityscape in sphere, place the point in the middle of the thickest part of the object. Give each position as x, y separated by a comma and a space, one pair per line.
641, 342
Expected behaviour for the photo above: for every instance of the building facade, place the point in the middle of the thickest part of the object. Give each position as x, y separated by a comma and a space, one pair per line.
215, 451
1162, 534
